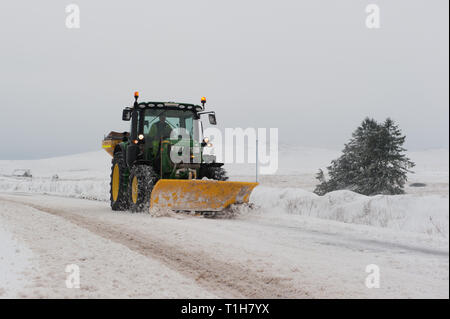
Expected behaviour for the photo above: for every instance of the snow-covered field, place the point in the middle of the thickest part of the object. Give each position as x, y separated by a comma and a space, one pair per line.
292, 244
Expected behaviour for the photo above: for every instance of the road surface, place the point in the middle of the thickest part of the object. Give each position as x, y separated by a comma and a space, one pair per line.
254, 254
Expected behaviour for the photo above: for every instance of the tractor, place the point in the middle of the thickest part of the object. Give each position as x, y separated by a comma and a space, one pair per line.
160, 162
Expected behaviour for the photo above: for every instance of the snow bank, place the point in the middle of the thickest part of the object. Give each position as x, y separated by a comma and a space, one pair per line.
87, 189
424, 214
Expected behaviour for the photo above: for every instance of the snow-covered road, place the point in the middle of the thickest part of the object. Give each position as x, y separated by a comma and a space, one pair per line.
254, 254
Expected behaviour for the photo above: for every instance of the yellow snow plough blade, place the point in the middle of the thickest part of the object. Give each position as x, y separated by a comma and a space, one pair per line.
199, 195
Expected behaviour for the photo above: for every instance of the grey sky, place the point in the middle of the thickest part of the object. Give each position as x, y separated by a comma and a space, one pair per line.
309, 67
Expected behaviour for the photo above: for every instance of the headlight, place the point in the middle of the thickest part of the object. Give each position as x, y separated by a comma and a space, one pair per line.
141, 136
206, 140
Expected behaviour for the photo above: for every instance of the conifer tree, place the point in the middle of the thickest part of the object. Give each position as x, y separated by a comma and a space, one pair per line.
372, 162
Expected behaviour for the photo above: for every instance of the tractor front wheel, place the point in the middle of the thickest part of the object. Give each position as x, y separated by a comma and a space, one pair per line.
141, 182
216, 173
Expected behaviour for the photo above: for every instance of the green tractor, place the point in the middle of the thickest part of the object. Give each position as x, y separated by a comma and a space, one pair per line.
161, 161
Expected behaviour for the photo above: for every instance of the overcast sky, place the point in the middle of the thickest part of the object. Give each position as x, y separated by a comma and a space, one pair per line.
311, 68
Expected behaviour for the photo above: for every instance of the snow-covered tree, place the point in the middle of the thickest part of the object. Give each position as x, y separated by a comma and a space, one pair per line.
372, 162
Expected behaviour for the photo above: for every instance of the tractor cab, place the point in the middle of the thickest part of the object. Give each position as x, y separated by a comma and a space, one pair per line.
168, 136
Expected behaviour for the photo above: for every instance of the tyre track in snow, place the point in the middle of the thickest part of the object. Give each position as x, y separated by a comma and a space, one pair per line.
219, 277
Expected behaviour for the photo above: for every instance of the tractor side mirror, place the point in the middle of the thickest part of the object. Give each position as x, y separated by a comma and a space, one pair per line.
126, 114
212, 119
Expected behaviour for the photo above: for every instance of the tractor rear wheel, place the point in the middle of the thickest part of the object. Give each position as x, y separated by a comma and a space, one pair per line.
118, 194
140, 186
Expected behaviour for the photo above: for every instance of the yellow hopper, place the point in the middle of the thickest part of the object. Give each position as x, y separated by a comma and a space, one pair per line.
199, 195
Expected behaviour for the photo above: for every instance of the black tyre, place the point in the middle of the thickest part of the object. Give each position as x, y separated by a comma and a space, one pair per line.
140, 186
118, 184
217, 173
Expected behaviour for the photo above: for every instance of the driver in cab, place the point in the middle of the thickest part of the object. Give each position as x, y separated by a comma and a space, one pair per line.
160, 129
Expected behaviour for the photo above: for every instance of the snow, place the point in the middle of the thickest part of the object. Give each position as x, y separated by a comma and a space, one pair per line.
425, 214
107, 269
81, 175
14, 260
423, 210
292, 160
297, 243
85, 165
255, 254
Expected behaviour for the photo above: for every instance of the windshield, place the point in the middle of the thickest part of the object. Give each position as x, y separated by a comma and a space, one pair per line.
159, 123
